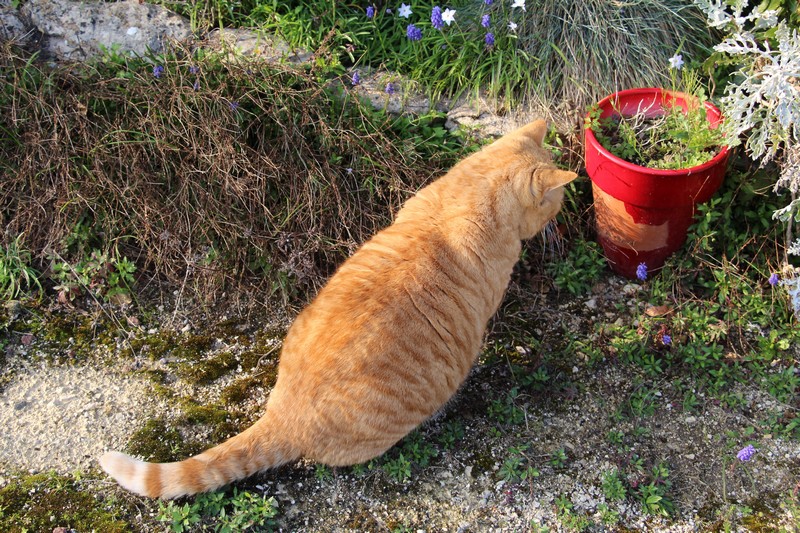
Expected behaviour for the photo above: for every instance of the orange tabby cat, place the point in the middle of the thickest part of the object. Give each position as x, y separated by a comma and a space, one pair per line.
395, 331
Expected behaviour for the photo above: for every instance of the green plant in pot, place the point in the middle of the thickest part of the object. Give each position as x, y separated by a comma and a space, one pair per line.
652, 154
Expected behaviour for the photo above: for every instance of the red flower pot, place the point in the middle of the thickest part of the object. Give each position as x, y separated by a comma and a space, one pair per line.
643, 214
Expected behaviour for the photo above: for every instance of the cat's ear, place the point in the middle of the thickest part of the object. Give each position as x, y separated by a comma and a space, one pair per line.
536, 130
548, 179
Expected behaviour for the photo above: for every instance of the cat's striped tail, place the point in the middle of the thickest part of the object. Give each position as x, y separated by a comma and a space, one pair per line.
255, 449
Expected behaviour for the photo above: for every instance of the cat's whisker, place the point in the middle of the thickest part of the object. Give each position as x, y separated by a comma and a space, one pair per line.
552, 241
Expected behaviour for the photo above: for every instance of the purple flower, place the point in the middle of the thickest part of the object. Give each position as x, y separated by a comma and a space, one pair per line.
413, 33
356, 79
233, 105
746, 453
489, 39
158, 70
641, 271
487, 2
370, 11
194, 70
773, 279
666, 339
436, 18
486, 20
390, 88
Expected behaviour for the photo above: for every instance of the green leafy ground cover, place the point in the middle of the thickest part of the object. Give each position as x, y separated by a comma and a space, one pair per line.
596, 404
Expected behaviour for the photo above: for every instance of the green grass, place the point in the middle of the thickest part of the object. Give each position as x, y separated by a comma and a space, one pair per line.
560, 50
16, 273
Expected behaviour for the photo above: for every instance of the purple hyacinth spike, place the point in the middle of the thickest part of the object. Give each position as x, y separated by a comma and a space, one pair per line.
436, 18
641, 271
746, 453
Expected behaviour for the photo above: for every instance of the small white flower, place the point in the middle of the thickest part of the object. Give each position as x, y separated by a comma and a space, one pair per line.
518, 3
512, 26
676, 62
404, 11
449, 16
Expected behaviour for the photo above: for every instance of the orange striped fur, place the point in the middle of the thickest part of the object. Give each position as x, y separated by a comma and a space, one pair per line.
395, 331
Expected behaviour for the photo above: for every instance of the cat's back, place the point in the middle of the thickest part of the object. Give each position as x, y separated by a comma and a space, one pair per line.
406, 279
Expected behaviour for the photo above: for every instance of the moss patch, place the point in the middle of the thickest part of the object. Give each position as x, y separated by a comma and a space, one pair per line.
160, 443
198, 362
204, 371
243, 388
46, 501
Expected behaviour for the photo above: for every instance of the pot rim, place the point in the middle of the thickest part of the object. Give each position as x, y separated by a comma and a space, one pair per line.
653, 91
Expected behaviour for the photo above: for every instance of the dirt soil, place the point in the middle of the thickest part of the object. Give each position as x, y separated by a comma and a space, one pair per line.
69, 392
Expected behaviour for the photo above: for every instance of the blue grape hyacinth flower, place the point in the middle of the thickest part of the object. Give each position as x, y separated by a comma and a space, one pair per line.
413, 33
746, 453
436, 18
641, 271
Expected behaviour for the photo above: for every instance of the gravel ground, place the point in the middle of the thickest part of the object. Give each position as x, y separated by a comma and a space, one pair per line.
61, 415
63, 418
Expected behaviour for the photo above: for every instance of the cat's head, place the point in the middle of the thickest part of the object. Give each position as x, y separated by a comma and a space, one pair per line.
537, 184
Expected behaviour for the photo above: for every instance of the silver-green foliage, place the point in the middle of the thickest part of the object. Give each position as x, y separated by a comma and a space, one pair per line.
762, 99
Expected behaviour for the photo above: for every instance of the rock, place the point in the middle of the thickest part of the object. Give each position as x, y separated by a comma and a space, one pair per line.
13, 27
479, 114
246, 42
80, 30
630, 288
402, 99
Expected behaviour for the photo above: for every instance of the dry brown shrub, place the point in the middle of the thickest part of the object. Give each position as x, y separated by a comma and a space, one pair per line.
236, 171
